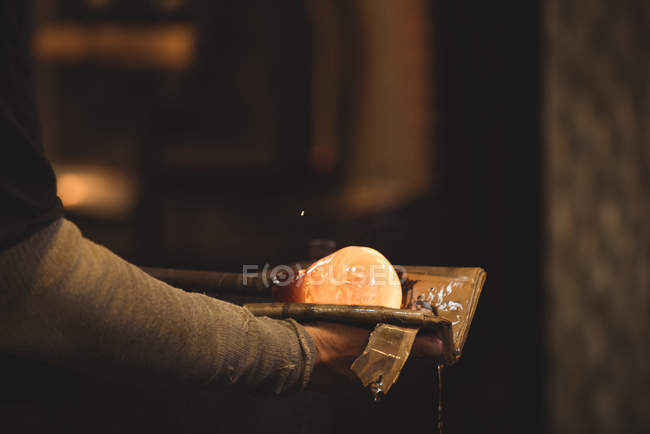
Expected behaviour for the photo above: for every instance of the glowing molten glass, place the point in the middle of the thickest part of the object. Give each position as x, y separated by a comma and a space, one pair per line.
352, 275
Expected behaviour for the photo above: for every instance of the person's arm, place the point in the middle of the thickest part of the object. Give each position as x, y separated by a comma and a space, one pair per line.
66, 300
69, 301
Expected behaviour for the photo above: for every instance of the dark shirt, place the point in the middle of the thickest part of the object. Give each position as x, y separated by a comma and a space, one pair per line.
28, 200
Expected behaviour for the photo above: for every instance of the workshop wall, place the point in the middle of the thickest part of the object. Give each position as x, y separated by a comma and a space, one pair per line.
597, 185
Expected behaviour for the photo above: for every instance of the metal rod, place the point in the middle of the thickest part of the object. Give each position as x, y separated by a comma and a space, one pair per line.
349, 313
214, 282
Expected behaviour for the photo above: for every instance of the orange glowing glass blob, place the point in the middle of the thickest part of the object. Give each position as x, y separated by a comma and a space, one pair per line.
352, 275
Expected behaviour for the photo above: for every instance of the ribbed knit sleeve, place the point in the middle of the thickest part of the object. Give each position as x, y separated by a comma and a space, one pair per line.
69, 301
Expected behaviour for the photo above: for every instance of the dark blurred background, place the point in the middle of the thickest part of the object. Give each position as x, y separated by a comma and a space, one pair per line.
514, 137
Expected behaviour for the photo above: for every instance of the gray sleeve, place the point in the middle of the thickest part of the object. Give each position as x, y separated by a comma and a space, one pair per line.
69, 301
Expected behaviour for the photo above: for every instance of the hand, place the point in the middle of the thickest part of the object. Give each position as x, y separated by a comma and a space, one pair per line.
338, 345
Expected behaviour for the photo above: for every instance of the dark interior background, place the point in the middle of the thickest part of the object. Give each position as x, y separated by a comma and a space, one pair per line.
207, 161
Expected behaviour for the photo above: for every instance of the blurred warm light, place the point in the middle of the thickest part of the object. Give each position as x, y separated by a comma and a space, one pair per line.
379, 195
302, 213
388, 133
95, 190
164, 46
72, 189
